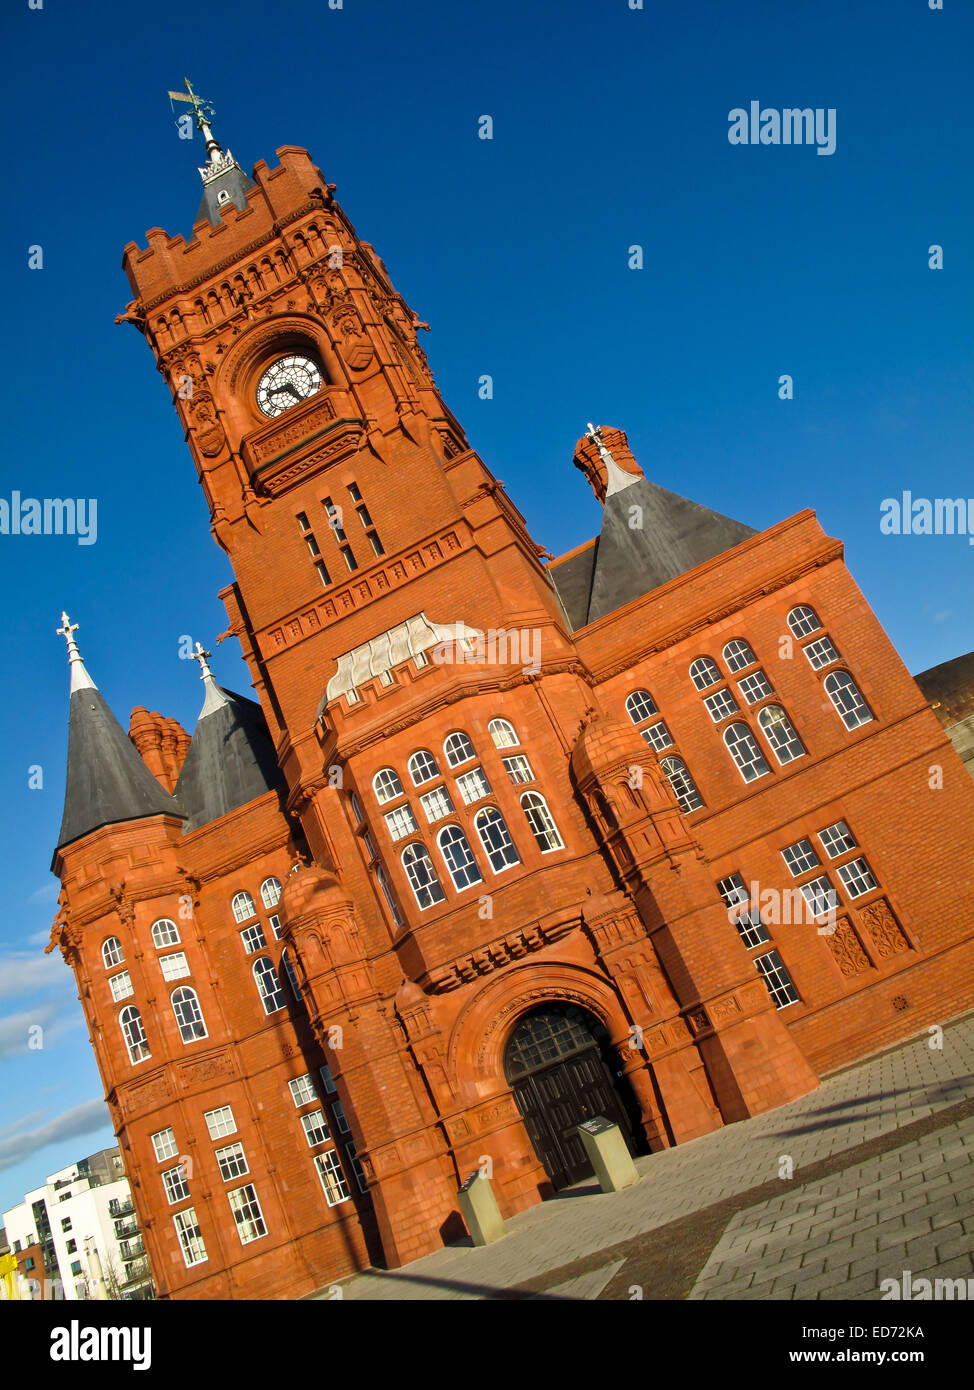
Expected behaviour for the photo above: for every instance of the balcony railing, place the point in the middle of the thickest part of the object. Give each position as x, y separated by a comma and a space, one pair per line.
117, 1208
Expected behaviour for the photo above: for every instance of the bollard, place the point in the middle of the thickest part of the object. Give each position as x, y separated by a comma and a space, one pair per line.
480, 1211
608, 1154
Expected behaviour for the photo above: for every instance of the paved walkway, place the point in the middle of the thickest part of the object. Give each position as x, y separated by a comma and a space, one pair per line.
852, 1170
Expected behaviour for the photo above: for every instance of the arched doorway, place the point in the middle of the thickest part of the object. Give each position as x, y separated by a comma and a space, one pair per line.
560, 1067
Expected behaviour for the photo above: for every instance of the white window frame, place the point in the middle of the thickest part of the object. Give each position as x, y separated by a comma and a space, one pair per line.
432, 799
499, 730
253, 933
704, 672
803, 620
297, 1088
473, 785
121, 986
315, 1128
460, 873
850, 709
734, 655
270, 891
387, 785
489, 818
112, 953
136, 1043
217, 1124
243, 907
190, 1237
245, 1206
400, 822
227, 1160
193, 1020
164, 933
422, 759
431, 889
744, 737
175, 1184
721, 705
171, 967
537, 826
455, 742
161, 1142
328, 1164
268, 996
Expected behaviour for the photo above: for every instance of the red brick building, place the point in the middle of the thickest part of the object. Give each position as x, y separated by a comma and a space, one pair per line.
662, 829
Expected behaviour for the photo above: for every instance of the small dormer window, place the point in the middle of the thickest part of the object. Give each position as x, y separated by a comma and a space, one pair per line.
223, 196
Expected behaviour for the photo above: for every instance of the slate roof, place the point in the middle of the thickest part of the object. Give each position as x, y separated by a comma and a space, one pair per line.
107, 781
627, 561
235, 182
230, 761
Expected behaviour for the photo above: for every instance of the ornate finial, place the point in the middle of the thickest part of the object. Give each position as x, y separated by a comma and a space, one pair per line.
214, 698
617, 478
217, 162
204, 114
200, 655
80, 679
594, 432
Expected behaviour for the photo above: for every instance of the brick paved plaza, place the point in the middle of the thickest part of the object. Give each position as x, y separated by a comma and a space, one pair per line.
882, 1182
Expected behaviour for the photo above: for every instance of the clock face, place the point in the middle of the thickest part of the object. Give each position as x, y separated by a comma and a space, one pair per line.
286, 382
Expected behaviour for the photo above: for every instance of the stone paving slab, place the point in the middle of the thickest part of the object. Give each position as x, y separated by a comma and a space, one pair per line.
930, 1239
852, 1107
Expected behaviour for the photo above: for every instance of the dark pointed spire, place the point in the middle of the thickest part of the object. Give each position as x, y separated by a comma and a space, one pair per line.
224, 182
107, 782
231, 759
649, 535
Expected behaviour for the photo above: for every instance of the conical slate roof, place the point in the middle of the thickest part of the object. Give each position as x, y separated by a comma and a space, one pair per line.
230, 761
638, 550
107, 781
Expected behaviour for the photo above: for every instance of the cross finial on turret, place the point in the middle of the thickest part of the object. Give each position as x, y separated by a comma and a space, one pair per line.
80, 679
594, 432
200, 655
214, 697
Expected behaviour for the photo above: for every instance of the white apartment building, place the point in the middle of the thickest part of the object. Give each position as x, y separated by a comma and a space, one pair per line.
85, 1223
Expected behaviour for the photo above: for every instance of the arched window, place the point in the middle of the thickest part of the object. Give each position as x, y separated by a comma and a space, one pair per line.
270, 892
386, 785
538, 817
704, 673
165, 933
112, 953
496, 839
684, 787
458, 857
387, 893
189, 1017
268, 986
803, 620
640, 706
134, 1034
292, 978
848, 700
744, 749
243, 907
738, 654
422, 876
502, 733
458, 749
422, 767
780, 733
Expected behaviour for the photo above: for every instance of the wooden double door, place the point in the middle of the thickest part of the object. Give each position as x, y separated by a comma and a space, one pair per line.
556, 1065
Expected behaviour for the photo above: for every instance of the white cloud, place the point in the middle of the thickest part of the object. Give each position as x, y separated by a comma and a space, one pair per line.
45, 894
26, 972
81, 1119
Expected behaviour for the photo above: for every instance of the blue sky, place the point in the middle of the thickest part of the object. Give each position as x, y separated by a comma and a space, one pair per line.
610, 129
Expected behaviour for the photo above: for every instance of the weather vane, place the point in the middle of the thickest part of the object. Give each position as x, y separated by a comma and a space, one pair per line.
204, 114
